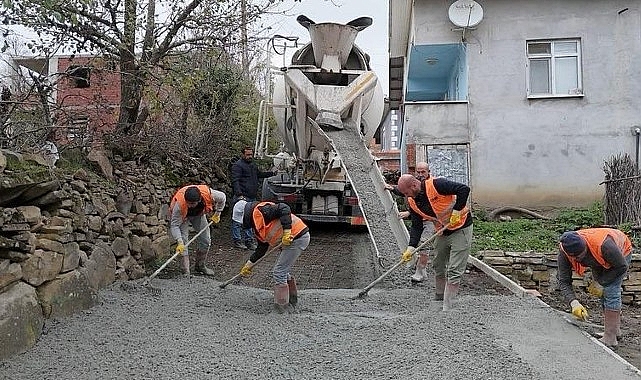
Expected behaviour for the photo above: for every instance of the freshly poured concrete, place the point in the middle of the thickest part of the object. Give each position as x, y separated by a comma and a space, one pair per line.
196, 330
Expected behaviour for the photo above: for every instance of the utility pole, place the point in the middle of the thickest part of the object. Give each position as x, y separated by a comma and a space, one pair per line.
243, 31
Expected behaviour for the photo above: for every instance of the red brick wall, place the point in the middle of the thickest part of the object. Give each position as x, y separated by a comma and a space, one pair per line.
410, 150
389, 161
99, 102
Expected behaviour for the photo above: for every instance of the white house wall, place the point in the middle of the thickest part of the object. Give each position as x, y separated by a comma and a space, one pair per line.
536, 152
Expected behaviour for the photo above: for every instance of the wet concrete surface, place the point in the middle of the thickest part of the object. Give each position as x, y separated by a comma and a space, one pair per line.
196, 330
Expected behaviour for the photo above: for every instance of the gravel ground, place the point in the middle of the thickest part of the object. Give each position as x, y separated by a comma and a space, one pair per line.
196, 330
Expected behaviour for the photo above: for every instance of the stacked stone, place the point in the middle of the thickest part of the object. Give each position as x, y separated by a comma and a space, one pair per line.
534, 270
76, 236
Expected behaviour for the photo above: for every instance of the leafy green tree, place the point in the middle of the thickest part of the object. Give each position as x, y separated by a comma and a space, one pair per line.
202, 105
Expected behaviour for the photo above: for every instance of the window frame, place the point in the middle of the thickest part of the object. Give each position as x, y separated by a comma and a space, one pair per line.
552, 57
80, 76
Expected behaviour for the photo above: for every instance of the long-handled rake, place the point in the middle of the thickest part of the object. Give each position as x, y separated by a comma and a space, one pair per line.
146, 284
224, 284
366, 289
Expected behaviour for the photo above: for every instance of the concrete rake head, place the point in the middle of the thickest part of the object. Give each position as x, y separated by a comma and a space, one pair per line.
146, 284
144, 287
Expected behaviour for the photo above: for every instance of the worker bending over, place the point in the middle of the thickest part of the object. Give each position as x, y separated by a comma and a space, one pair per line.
442, 202
606, 251
273, 224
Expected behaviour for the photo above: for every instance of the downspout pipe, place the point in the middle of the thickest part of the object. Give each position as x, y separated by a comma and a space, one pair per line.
637, 133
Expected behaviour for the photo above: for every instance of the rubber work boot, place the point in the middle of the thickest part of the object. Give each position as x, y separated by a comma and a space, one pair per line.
281, 298
439, 282
239, 244
451, 290
184, 265
200, 266
421, 273
293, 291
619, 333
611, 319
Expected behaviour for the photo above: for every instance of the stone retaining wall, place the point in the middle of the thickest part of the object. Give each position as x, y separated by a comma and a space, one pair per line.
76, 235
533, 270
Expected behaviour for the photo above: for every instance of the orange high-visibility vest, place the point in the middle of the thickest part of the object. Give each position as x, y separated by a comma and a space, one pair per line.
442, 205
272, 232
179, 197
594, 238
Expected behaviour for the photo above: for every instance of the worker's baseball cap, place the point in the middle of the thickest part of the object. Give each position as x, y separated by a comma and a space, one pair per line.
192, 194
572, 243
239, 211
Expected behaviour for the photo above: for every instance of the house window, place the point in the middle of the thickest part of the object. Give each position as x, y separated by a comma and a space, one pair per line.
77, 129
79, 76
554, 68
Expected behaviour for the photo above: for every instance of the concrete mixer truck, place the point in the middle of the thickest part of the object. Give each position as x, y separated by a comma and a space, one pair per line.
328, 86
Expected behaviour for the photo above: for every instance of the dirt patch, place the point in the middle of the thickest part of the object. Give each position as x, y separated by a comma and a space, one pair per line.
330, 263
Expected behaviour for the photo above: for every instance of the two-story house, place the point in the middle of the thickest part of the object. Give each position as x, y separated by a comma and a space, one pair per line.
524, 100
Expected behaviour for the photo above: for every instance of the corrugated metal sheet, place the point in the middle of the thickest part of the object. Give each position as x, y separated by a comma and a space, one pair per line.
449, 161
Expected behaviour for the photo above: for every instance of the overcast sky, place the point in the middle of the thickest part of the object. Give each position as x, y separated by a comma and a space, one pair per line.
372, 40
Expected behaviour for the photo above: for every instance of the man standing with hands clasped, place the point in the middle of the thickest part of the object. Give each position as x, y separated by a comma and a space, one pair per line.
190, 204
273, 224
442, 202
244, 180
607, 252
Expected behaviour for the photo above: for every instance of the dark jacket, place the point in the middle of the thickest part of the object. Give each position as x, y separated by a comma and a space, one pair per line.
270, 212
444, 187
611, 254
244, 178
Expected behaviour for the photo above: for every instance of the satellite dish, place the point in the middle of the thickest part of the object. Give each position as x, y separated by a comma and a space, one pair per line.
465, 13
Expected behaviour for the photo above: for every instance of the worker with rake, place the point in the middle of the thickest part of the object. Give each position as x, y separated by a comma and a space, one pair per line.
190, 205
607, 252
442, 202
422, 172
274, 225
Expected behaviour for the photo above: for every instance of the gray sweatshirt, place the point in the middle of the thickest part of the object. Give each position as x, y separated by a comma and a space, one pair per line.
177, 220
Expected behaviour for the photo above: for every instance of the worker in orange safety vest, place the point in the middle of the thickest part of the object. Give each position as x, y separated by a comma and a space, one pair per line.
274, 224
190, 205
607, 252
442, 202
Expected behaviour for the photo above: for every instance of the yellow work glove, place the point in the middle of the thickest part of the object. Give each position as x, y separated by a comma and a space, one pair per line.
246, 270
595, 289
180, 249
408, 254
215, 218
455, 217
287, 237
579, 311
